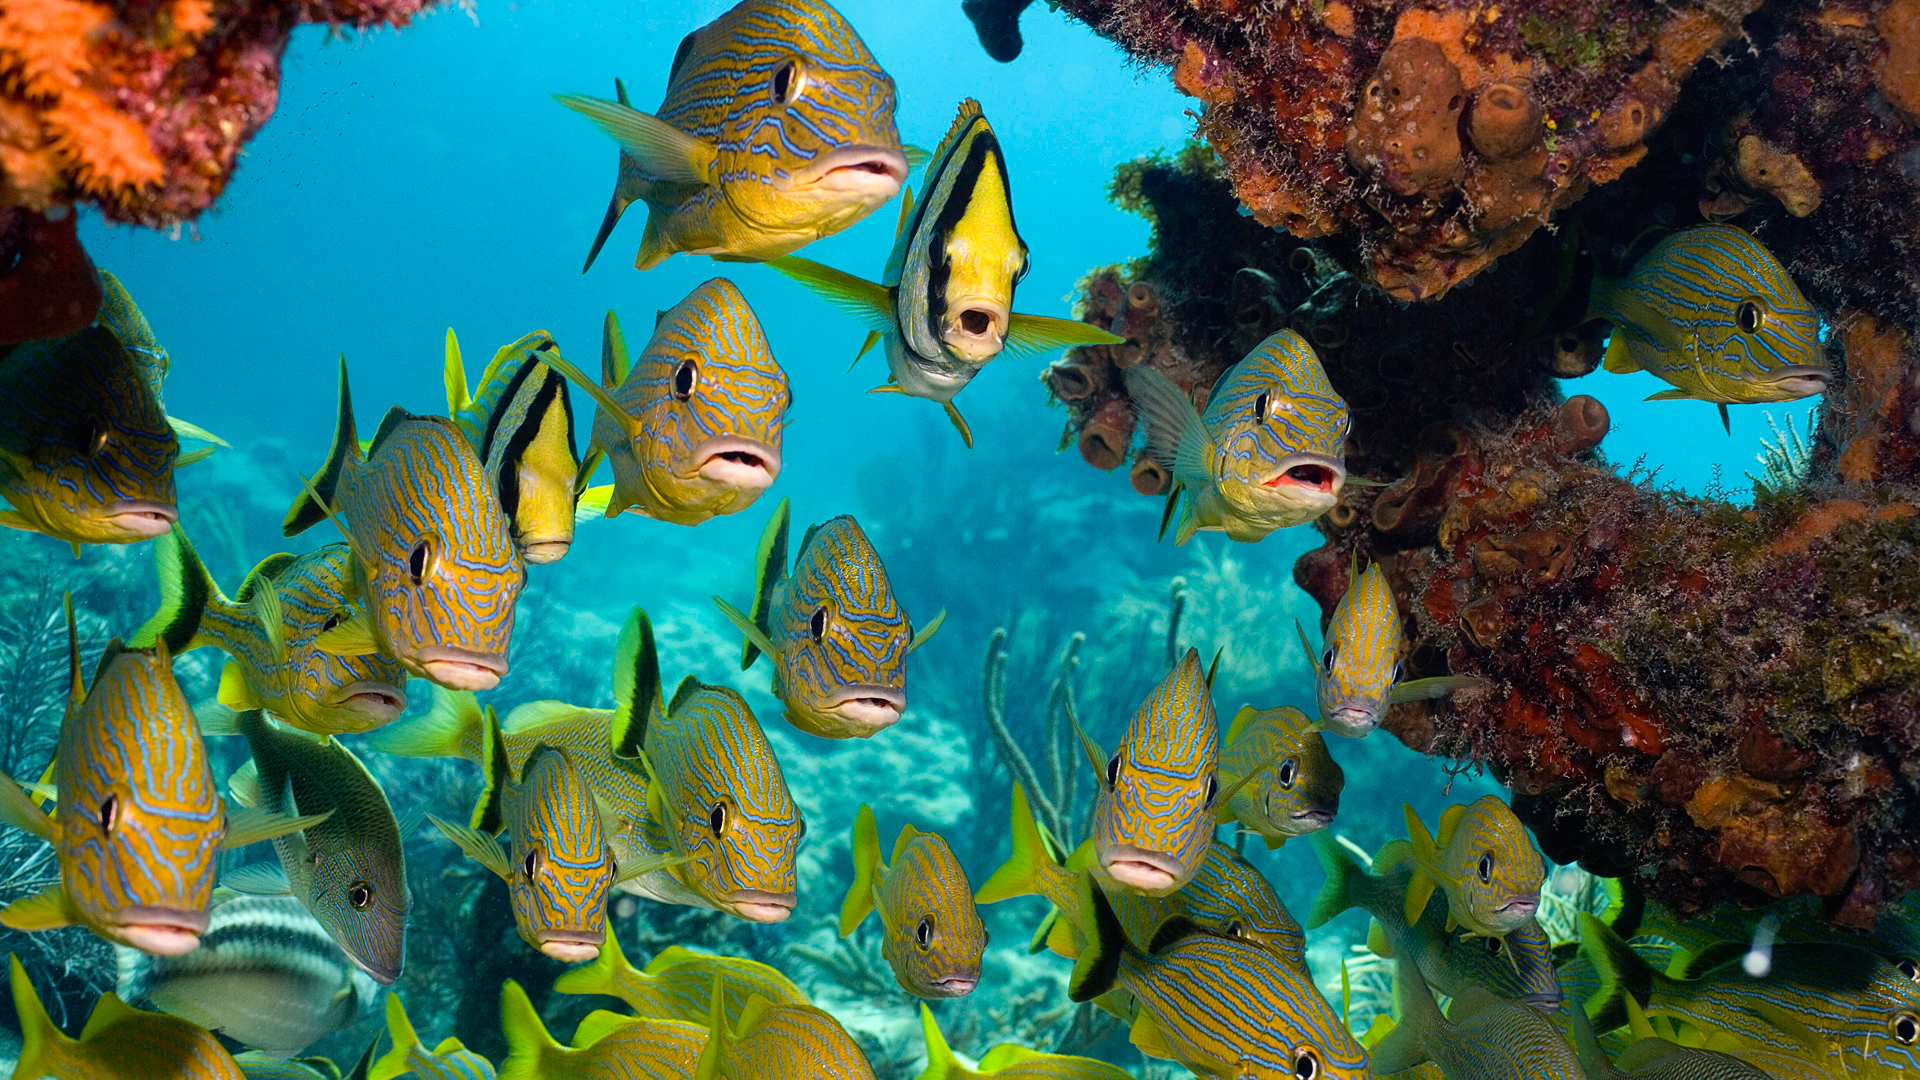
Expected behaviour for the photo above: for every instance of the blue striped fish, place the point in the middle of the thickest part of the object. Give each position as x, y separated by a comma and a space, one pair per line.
1269, 452
1480, 858
1357, 676
1008, 1061
678, 983
255, 1065
119, 1042
777, 129
837, 637
447, 1061
1221, 1006
1711, 311
438, 572
122, 318
1292, 785
931, 935
1228, 897
520, 421
607, 1046
944, 306
692, 428
774, 1042
268, 629
717, 801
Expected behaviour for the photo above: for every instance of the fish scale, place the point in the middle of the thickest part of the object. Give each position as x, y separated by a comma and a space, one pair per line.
783, 1041
1160, 800
118, 1042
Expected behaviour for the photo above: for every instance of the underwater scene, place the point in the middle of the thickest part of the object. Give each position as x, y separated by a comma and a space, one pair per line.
1108, 538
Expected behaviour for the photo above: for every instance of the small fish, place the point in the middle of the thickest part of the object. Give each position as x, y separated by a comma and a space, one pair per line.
931, 935
520, 421
348, 870
119, 1042
776, 1042
1219, 1005
1711, 311
1268, 452
1650, 1057
437, 571
607, 1046
777, 129
1357, 676
944, 306
837, 637
1481, 860
266, 974
447, 1061
268, 629
717, 800
1294, 784
678, 984
692, 428
1008, 1061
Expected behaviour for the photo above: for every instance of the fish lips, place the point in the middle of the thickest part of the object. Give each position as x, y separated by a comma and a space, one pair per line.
870, 172
384, 974
956, 984
571, 946
975, 328
736, 462
461, 669
872, 707
142, 518
1152, 872
1352, 721
1308, 478
1312, 819
1509, 916
160, 931
761, 906
541, 552
378, 702
1799, 382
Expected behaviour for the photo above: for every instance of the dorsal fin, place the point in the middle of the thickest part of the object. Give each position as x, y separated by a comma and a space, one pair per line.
770, 566
688, 687
310, 507
264, 571
489, 815
394, 418
1171, 932
636, 685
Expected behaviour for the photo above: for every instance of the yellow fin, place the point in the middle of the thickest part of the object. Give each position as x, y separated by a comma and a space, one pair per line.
959, 423
251, 824
455, 374
921, 636
595, 502
235, 691
865, 300
354, 637
866, 870
44, 910
664, 152
1147, 1038
1033, 335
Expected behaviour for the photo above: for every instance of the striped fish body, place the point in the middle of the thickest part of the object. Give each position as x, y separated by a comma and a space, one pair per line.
128, 324
1297, 787
1484, 1038
638, 1050
1713, 312
266, 974
560, 861
127, 1044
1008, 1060
347, 870
931, 934
447, 1061
778, 131
86, 453
1362, 660
694, 431
520, 421
678, 984
1484, 863
1154, 821
255, 1065
1658, 1059
1227, 897
782, 1042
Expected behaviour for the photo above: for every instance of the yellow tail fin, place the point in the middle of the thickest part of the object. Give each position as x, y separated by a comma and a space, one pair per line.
866, 870
394, 1062
1426, 855
43, 1046
531, 1051
1019, 876
600, 977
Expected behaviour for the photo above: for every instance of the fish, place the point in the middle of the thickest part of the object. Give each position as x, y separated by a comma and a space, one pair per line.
119, 1041
1481, 860
269, 629
1649, 1057
347, 870
1009, 1061
692, 428
1294, 784
1713, 312
266, 975
255, 1065
520, 421
447, 1061
436, 569
931, 935
1358, 675
717, 801
776, 130
607, 1046
774, 1042
678, 984
122, 318
1268, 453
835, 634
944, 306
1221, 1006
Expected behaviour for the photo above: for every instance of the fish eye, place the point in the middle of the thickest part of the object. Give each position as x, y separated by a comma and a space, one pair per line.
1306, 1064
1399, 666
686, 379
1113, 770
109, 813
1260, 407
1213, 789
923, 934
787, 82
1909, 968
1289, 772
1327, 658
420, 560
532, 863
1233, 928
1749, 316
1486, 866
817, 625
717, 818
96, 439
1906, 1029
1493, 945
333, 620
359, 895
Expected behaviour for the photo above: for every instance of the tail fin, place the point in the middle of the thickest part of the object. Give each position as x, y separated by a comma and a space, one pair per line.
531, 1051
451, 728
42, 1044
1405, 1046
1426, 854
1622, 972
769, 565
186, 591
636, 685
1020, 875
394, 1062
489, 811
1099, 965
313, 503
1336, 895
941, 1064
602, 976
866, 870
717, 1039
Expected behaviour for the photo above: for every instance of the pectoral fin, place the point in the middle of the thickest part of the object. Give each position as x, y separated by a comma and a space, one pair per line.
354, 637
259, 879
959, 424
745, 625
647, 864
1033, 335
665, 152
479, 846
46, 910
1437, 687
864, 300
194, 431
251, 824
926, 632
595, 502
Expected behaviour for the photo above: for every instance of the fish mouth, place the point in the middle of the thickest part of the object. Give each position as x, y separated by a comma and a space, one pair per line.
1519, 909
975, 328
571, 946
743, 464
541, 552
143, 518
871, 171
377, 701
383, 974
1801, 381
1352, 721
161, 931
873, 707
952, 986
1314, 477
1312, 819
761, 906
462, 669
1151, 872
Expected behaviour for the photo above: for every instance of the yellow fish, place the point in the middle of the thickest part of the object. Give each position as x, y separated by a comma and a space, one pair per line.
678, 984
1008, 1061
1481, 859
447, 1061
520, 421
118, 1043
607, 1046
1293, 786
1358, 675
779, 1042
931, 936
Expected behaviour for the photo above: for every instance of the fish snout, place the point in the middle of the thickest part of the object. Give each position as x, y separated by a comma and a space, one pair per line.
1309, 477
957, 984
869, 707
382, 973
761, 906
542, 552
1312, 819
975, 328
1802, 382
571, 946
143, 518
1353, 721
161, 931
462, 669
869, 172
377, 702
1152, 872
742, 464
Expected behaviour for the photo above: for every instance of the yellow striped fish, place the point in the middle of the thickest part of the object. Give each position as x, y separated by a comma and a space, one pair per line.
777, 129
1154, 815
944, 307
1711, 311
776, 1042
122, 318
837, 637
717, 801
1008, 1061
1292, 784
1228, 897
268, 630
1650, 1057
1221, 1006
1269, 452
437, 570
1358, 674
520, 421
119, 1042
692, 428
447, 1061
678, 983
931, 936
1481, 860
607, 1046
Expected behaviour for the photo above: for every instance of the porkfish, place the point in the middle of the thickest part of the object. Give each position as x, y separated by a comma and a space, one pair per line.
268, 631
832, 628
776, 130
692, 427
519, 419
119, 1041
1481, 860
944, 306
1269, 452
1292, 784
447, 1061
436, 568
779, 1042
1357, 676
607, 1046
931, 934
1008, 1061
678, 984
